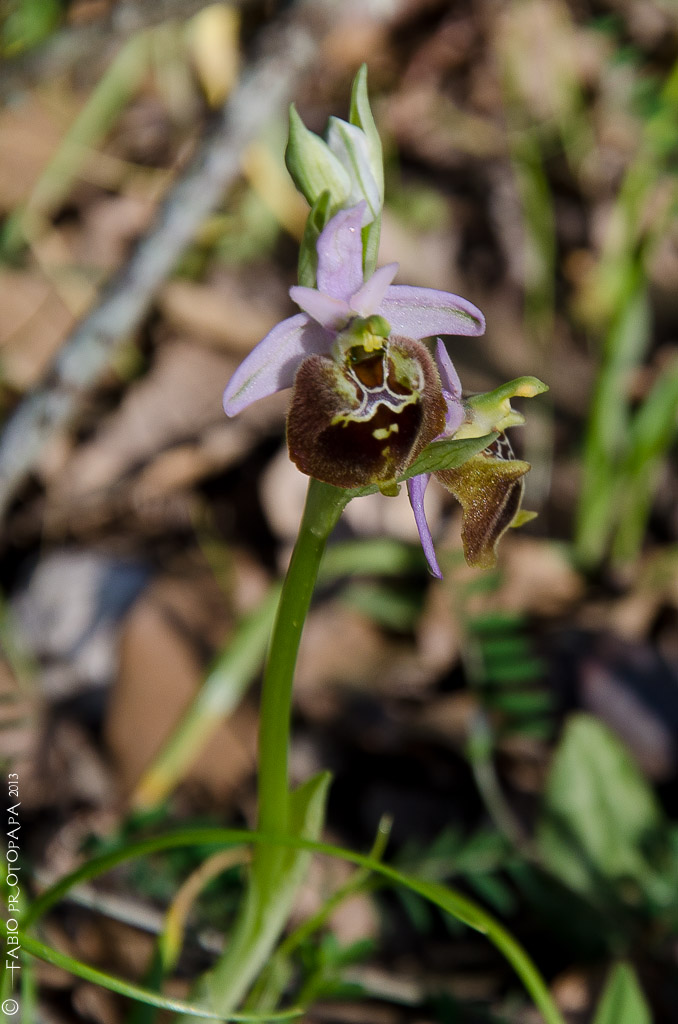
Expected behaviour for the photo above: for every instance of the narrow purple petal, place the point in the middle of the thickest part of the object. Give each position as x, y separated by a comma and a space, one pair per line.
449, 377
416, 488
425, 312
368, 299
333, 314
272, 365
340, 254
448, 374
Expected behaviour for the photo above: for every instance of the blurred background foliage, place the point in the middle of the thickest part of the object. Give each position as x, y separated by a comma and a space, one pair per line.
519, 726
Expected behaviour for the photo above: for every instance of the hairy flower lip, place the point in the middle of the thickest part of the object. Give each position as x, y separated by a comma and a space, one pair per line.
342, 293
356, 424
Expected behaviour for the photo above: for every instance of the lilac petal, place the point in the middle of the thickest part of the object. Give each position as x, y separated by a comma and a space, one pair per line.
448, 374
449, 377
272, 365
333, 314
416, 488
340, 254
368, 299
424, 312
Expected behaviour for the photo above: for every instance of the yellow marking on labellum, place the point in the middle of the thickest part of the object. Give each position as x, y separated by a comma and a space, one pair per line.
372, 342
390, 488
383, 432
367, 333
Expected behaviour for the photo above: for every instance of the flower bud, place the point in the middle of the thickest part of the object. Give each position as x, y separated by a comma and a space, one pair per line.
313, 166
349, 165
361, 116
349, 145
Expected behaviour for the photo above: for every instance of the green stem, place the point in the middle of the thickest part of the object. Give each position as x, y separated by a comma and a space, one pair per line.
276, 873
324, 505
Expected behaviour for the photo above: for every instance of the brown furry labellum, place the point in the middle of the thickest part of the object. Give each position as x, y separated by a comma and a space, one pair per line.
363, 420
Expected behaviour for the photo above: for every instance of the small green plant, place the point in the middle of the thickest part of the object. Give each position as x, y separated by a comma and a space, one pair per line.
373, 407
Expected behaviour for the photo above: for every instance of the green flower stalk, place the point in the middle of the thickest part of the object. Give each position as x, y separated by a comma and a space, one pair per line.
369, 398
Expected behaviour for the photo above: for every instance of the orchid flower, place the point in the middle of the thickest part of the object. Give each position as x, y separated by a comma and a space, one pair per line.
490, 485
369, 397
341, 297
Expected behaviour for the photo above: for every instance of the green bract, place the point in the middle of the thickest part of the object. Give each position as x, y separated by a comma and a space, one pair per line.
348, 164
491, 410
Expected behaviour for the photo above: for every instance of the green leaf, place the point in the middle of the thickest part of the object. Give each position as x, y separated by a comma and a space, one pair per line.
390, 608
372, 556
608, 428
652, 432
517, 671
448, 899
125, 988
494, 890
623, 1001
522, 702
598, 810
447, 454
27, 23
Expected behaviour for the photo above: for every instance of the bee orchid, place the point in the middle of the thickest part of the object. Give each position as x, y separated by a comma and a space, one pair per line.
368, 396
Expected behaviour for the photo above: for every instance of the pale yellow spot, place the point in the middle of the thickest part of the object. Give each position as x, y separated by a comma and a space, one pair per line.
383, 432
371, 342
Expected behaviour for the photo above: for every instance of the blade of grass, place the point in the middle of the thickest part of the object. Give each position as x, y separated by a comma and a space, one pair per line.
446, 898
608, 425
652, 433
125, 988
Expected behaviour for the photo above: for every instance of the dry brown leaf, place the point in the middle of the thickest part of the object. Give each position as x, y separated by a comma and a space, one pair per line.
34, 323
179, 398
159, 675
537, 577
93, 1003
172, 470
283, 493
354, 919
221, 313
547, 82
438, 632
426, 258
110, 225
338, 646
429, 124
605, 693
30, 132
449, 717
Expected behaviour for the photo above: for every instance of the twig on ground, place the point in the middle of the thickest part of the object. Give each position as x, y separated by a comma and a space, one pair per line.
66, 49
288, 48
